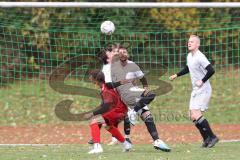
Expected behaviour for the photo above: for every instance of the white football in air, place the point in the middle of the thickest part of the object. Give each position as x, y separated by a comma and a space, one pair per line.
107, 27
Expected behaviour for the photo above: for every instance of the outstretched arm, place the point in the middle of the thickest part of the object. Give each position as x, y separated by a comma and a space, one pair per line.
184, 71
103, 108
112, 85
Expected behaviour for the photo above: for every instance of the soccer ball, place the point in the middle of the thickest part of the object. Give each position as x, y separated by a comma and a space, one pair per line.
107, 27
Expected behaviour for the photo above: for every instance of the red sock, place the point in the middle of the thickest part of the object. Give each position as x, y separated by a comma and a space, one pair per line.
115, 133
95, 131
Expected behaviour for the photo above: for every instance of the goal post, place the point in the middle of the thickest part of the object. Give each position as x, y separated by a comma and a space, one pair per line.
122, 4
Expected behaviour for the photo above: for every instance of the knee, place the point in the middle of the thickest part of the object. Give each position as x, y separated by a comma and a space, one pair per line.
195, 115
92, 121
146, 115
97, 119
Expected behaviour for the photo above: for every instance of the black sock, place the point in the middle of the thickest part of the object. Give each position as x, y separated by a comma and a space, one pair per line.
149, 122
127, 126
203, 123
203, 134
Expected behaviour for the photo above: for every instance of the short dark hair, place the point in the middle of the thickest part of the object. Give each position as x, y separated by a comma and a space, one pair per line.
97, 75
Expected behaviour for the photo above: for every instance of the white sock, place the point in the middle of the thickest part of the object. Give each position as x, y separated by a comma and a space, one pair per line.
125, 142
127, 136
114, 139
97, 145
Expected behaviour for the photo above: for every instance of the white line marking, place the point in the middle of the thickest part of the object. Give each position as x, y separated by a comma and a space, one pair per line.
42, 145
230, 140
32, 145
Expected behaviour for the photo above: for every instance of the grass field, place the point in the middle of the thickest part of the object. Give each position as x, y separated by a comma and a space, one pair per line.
33, 101
223, 151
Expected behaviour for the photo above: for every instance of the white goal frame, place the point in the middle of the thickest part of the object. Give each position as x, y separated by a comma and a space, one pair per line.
120, 4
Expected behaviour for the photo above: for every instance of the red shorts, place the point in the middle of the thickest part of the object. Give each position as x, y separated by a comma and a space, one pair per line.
113, 117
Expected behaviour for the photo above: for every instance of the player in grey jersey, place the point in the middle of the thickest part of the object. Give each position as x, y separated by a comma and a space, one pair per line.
200, 71
133, 96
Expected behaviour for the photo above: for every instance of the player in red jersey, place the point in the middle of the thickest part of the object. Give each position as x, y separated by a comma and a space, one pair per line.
111, 111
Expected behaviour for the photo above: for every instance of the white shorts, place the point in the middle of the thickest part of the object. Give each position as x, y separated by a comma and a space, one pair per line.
140, 111
200, 99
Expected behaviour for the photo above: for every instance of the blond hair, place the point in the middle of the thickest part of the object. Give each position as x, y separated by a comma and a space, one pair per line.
195, 36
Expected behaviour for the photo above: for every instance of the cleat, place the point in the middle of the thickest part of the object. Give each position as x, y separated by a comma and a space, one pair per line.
128, 139
212, 142
127, 146
160, 145
90, 141
205, 142
97, 148
113, 142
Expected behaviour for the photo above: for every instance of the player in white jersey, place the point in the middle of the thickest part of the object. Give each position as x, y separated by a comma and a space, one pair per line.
200, 71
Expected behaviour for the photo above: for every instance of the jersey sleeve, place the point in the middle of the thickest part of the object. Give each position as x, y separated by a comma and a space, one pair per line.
134, 71
139, 73
203, 61
107, 73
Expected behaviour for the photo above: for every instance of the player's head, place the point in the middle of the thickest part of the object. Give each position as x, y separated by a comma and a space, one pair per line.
115, 51
97, 77
123, 55
193, 43
115, 47
104, 55
110, 53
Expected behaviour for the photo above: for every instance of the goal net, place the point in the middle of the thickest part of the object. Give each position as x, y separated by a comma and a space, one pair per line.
34, 42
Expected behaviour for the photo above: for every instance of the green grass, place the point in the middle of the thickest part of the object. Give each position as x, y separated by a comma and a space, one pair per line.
223, 151
33, 102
